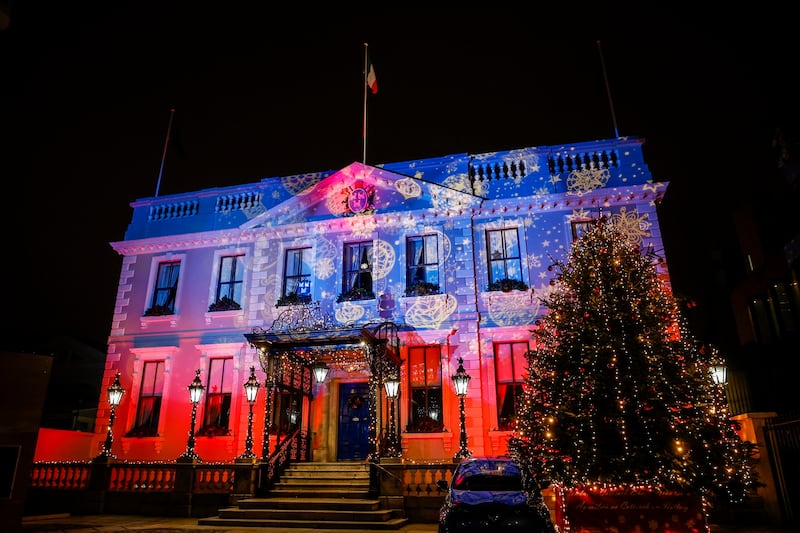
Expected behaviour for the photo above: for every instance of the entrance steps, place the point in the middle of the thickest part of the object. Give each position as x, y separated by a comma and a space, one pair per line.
315, 496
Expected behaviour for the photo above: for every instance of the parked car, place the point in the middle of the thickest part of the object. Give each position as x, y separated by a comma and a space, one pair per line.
487, 494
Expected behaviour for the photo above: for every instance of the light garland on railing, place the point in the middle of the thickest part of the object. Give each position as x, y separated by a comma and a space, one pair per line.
348, 359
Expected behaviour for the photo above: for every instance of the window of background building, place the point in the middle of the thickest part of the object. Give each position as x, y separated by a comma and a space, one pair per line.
217, 412
510, 365
148, 408
425, 382
422, 265
231, 278
357, 279
504, 255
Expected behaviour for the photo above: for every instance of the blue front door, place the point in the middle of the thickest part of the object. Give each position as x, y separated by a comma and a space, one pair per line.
353, 442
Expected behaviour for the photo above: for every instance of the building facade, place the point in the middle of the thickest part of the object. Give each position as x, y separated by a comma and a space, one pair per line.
413, 272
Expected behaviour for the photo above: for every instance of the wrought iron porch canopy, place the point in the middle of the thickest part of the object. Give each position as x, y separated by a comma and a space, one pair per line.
303, 335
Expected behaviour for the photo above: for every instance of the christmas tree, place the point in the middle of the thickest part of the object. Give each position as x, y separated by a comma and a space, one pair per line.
619, 395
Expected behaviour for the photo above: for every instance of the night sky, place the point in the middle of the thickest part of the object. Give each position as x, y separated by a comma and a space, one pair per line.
87, 98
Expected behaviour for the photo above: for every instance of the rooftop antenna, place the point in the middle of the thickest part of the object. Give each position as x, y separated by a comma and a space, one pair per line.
608, 90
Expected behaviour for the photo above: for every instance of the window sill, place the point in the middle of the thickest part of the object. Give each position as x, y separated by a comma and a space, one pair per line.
147, 321
217, 315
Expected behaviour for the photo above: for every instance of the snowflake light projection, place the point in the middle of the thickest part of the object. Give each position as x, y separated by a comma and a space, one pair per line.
580, 182
383, 258
348, 312
508, 309
326, 257
301, 183
633, 226
363, 228
430, 311
408, 187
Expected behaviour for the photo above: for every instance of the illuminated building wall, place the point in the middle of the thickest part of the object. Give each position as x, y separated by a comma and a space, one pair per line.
454, 250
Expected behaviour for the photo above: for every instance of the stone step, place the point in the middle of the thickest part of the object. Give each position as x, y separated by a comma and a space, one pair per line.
333, 484
325, 474
313, 515
388, 525
314, 496
319, 493
350, 504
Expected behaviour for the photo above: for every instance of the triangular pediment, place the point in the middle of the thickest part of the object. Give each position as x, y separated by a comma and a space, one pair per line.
358, 190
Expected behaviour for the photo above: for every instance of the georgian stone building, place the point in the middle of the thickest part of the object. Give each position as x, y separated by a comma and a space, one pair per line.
407, 271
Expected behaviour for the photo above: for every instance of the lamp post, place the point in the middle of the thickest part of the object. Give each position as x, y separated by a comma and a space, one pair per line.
461, 382
719, 373
251, 391
196, 389
320, 370
115, 392
392, 386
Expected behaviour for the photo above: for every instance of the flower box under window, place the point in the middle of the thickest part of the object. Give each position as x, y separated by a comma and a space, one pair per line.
356, 293
293, 299
508, 285
224, 304
422, 288
159, 310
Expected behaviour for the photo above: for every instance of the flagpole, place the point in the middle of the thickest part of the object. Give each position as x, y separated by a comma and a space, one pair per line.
164, 153
608, 90
364, 125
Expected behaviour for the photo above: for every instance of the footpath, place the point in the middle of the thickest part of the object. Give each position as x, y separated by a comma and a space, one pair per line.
119, 523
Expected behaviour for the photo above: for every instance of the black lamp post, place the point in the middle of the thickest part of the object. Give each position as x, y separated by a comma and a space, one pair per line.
719, 373
251, 391
196, 389
461, 382
392, 386
320, 370
115, 392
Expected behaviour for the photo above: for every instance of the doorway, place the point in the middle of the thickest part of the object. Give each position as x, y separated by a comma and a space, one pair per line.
353, 441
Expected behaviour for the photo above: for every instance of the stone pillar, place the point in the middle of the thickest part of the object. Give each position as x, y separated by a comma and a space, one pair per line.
752, 429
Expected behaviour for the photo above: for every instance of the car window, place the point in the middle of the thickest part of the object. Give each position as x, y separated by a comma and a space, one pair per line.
488, 482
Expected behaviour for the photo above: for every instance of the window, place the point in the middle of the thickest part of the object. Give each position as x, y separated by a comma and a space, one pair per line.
422, 265
579, 227
425, 380
217, 412
148, 408
296, 277
231, 278
510, 367
166, 289
505, 263
357, 279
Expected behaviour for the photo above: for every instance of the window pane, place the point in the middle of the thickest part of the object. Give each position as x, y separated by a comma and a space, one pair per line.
216, 415
231, 272
166, 285
297, 272
510, 370
149, 404
357, 267
416, 366
512, 243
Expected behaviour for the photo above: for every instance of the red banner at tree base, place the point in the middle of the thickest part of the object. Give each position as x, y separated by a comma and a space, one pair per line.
624, 511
